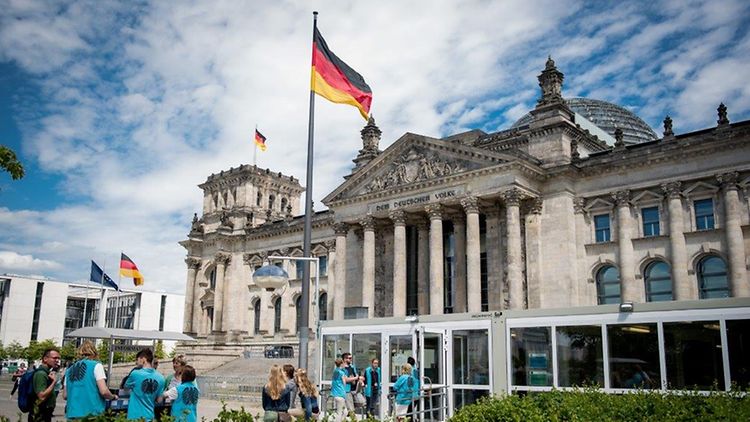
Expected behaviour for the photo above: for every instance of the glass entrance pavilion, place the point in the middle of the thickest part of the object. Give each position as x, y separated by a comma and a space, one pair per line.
664, 346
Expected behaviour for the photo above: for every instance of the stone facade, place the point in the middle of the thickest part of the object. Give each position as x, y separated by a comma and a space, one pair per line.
545, 214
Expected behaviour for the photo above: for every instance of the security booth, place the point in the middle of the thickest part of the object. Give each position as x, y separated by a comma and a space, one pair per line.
462, 357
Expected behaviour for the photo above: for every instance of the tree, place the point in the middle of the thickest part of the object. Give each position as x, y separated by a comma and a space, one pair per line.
68, 352
9, 162
36, 349
159, 351
15, 350
3, 353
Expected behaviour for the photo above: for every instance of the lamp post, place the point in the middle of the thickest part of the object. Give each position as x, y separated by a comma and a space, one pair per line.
272, 277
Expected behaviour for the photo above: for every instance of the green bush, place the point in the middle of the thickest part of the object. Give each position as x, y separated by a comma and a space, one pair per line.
594, 405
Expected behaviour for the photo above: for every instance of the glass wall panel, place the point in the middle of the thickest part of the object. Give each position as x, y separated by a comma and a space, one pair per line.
471, 363
693, 354
531, 356
333, 347
463, 398
365, 348
633, 356
401, 349
738, 336
580, 360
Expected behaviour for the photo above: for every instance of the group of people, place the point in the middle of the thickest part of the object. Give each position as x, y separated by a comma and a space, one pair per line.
84, 387
288, 395
350, 389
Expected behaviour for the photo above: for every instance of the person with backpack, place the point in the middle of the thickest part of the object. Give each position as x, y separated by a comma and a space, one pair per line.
36, 391
404, 389
145, 386
17, 377
85, 387
184, 397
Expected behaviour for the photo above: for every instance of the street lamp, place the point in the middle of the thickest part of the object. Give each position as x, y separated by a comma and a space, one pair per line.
272, 277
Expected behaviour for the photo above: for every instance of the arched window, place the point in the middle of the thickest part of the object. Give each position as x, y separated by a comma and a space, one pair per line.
212, 278
277, 315
323, 307
283, 204
608, 285
658, 282
256, 319
712, 278
298, 308
271, 200
259, 199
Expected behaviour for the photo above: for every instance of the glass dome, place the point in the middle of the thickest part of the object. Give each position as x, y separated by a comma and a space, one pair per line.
608, 117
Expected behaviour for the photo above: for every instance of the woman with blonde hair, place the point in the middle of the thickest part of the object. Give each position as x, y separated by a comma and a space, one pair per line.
308, 394
85, 387
404, 388
276, 396
174, 380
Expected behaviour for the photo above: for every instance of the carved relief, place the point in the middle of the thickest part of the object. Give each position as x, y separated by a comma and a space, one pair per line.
367, 223
398, 217
672, 189
470, 204
728, 180
414, 166
223, 258
621, 197
512, 197
193, 262
435, 211
225, 220
579, 205
535, 206
341, 229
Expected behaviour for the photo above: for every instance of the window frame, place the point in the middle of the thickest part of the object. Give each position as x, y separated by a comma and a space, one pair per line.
642, 216
599, 289
647, 280
699, 276
594, 218
695, 216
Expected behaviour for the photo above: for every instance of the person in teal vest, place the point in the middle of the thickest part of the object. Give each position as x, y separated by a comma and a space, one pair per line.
404, 389
372, 386
145, 385
184, 397
85, 385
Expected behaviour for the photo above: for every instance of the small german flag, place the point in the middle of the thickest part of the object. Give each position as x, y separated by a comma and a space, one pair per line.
260, 140
335, 81
129, 269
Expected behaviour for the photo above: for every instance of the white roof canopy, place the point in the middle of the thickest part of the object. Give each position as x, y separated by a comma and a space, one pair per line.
123, 333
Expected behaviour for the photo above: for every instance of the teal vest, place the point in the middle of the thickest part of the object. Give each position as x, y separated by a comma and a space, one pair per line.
185, 406
83, 394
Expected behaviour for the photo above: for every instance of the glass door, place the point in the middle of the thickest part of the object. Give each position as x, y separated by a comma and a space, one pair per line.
399, 348
432, 374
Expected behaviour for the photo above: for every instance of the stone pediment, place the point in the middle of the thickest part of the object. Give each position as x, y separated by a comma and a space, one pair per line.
413, 160
207, 299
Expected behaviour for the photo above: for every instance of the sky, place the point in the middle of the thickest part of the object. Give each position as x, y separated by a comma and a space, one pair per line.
118, 110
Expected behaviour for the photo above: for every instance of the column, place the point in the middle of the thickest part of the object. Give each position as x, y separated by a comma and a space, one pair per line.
585, 292
338, 296
368, 265
222, 259
399, 262
191, 287
473, 255
629, 291
423, 268
495, 259
733, 231
682, 288
533, 245
512, 200
330, 279
459, 235
435, 212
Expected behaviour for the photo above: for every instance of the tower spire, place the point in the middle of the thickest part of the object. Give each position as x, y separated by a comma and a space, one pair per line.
550, 81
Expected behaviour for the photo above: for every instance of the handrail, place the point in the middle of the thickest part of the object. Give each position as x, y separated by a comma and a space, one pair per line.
427, 403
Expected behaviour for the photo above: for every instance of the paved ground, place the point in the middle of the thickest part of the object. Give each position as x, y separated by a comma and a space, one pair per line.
8, 407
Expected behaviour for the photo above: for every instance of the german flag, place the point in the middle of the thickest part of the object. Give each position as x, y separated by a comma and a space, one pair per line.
335, 81
130, 270
260, 140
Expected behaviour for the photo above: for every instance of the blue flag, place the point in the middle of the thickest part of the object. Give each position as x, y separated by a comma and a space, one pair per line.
100, 277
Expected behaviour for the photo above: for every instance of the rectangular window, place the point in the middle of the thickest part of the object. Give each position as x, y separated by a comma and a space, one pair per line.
693, 355
298, 267
738, 337
161, 312
601, 226
531, 354
323, 264
37, 311
579, 356
704, 214
634, 356
650, 221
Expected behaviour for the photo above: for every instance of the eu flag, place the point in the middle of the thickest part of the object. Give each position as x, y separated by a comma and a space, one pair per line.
100, 277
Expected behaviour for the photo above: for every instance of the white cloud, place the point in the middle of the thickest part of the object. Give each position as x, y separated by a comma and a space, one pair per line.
143, 101
13, 261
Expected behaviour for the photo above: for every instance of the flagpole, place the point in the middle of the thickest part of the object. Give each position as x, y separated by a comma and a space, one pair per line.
119, 290
255, 146
305, 323
86, 301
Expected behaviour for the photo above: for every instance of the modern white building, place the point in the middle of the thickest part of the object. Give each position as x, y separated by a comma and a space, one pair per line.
34, 308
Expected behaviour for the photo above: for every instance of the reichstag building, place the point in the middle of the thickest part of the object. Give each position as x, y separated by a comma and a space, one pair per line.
578, 203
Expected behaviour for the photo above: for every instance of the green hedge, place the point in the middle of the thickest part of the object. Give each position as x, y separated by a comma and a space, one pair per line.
595, 405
